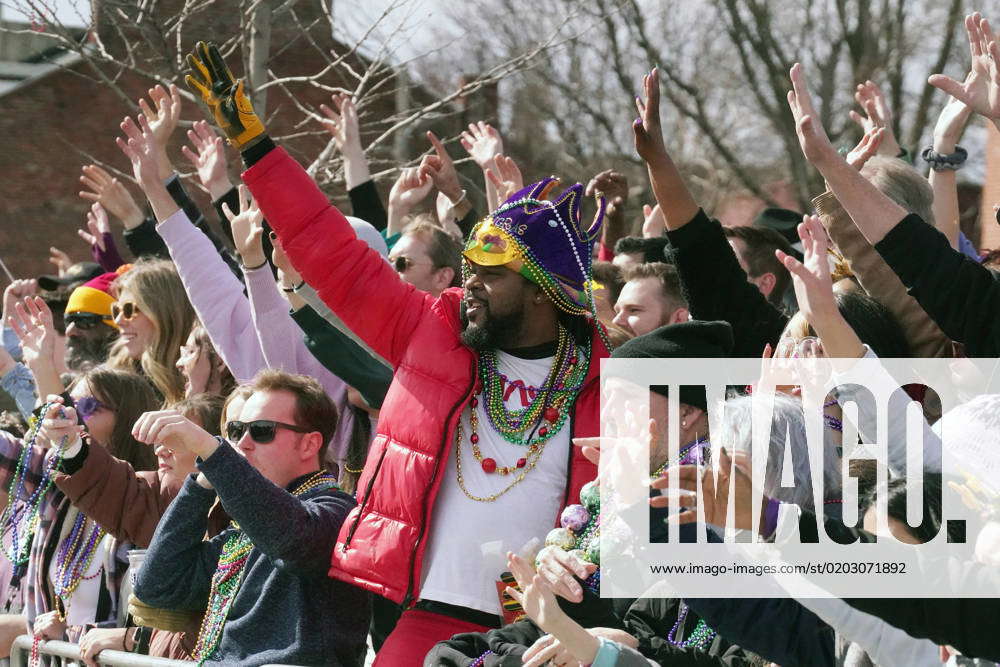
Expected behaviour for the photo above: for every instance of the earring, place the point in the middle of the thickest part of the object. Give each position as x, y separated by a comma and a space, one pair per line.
684, 423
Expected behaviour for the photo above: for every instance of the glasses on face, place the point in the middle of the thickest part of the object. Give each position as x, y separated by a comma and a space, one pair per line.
88, 406
402, 264
84, 321
262, 431
127, 310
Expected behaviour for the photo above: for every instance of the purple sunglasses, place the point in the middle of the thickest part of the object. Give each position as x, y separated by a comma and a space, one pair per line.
87, 406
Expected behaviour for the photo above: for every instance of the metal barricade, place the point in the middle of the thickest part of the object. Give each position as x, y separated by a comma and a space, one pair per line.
70, 653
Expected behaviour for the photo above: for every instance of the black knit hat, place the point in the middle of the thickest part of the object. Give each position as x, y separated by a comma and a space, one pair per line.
693, 339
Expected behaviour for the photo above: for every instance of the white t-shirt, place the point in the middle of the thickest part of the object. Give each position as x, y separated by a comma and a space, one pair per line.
456, 570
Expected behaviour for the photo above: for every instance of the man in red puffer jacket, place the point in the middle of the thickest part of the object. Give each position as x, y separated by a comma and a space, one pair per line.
472, 456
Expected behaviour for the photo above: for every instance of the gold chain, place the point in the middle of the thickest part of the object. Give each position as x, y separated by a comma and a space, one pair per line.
461, 480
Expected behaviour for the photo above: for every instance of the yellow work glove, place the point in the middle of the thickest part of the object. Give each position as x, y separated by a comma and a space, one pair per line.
224, 95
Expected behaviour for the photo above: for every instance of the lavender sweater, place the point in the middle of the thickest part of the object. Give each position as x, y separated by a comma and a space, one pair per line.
249, 334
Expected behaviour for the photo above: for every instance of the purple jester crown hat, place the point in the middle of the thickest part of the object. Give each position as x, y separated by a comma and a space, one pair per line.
544, 241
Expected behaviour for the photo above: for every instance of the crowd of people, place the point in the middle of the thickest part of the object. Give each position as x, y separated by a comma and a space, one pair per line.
285, 435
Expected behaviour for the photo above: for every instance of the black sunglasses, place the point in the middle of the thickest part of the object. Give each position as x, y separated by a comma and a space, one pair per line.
402, 263
262, 431
83, 320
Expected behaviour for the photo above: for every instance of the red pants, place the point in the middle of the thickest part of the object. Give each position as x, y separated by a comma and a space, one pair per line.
415, 635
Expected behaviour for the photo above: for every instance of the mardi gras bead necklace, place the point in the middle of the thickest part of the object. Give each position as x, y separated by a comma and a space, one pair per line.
229, 575
22, 518
74, 557
700, 637
545, 416
551, 401
692, 453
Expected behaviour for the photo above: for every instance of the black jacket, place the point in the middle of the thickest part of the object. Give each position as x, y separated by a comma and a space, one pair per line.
716, 287
962, 296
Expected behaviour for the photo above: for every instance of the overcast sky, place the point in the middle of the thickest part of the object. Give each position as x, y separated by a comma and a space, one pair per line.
353, 15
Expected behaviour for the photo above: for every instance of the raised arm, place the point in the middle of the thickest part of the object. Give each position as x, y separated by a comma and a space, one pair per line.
32, 323
958, 293
943, 179
715, 285
411, 188
873, 213
677, 204
215, 293
351, 278
441, 170
345, 127
98, 236
301, 531
981, 89
483, 143
877, 278
614, 186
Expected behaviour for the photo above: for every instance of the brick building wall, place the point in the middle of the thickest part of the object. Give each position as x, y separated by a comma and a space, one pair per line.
49, 124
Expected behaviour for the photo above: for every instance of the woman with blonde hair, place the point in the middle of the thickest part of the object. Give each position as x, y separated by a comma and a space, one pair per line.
154, 317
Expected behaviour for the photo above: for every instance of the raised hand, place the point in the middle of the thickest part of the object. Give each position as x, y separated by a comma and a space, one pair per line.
981, 88
441, 170
171, 428
141, 150
815, 144
162, 122
343, 123
110, 193
32, 324
97, 227
653, 224
814, 292
811, 276
163, 119
224, 95
866, 148
646, 128
17, 290
877, 115
411, 188
248, 229
483, 143
210, 160
614, 186
505, 177
60, 259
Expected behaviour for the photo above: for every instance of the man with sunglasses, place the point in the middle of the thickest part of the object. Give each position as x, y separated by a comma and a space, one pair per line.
264, 577
90, 327
427, 257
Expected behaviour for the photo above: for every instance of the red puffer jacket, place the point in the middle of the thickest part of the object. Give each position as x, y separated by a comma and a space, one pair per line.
382, 542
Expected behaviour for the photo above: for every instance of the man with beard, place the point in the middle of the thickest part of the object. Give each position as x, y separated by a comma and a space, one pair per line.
472, 454
90, 328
